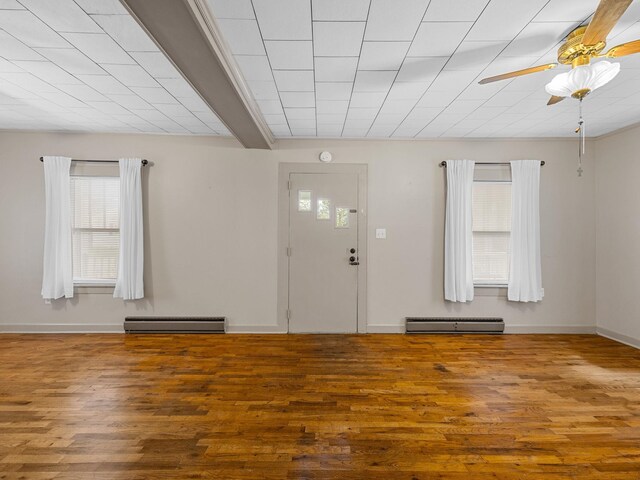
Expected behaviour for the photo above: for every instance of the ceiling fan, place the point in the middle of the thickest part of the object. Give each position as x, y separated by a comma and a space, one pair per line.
581, 46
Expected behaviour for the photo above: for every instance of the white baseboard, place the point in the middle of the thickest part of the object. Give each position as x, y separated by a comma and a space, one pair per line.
618, 337
550, 329
61, 328
385, 328
255, 329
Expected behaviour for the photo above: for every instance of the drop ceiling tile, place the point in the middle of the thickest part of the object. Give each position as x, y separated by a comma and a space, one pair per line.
407, 90
7, 66
131, 75
463, 107
536, 39
255, 68
339, 10
437, 99
131, 102
275, 119
455, 10
61, 98
10, 5
99, 47
474, 56
452, 80
108, 7
299, 123
501, 20
290, 55
154, 95
172, 110
382, 55
71, 60
284, 19
241, 9
337, 39
28, 82
438, 39
394, 119
126, 32
48, 72
367, 99
108, 107
243, 36
62, 15
564, 11
298, 99
330, 130
381, 130
355, 132
330, 118
389, 21
332, 106
333, 91
303, 132
362, 114
194, 103
13, 49
294, 80
270, 107
264, 90
421, 69
104, 84
335, 69
300, 114
178, 87
358, 123
373, 81
280, 130
156, 64
398, 107
29, 29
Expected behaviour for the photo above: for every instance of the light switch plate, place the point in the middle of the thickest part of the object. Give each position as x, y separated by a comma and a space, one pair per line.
381, 233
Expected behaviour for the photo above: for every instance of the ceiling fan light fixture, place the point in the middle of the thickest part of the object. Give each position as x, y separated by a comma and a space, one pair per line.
583, 79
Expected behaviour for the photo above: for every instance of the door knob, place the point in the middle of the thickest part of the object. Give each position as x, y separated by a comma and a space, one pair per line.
353, 250
352, 259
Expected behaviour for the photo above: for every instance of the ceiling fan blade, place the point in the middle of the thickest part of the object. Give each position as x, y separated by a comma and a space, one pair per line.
624, 49
518, 73
553, 100
607, 15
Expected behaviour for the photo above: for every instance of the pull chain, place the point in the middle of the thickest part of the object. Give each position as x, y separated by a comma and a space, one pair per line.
582, 140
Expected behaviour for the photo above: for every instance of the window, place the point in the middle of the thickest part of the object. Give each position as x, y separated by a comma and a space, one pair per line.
304, 200
324, 209
342, 217
491, 232
95, 207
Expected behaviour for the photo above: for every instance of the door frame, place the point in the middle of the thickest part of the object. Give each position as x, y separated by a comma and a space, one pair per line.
284, 170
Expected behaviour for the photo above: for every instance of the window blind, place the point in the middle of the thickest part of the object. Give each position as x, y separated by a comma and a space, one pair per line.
491, 232
95, 207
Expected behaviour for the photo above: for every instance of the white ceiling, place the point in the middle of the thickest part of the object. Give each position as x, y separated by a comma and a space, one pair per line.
86, 65
409, 68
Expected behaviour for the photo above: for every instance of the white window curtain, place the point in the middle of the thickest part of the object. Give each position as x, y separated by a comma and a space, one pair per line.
525, 277
458, 234
129, 283
57, 274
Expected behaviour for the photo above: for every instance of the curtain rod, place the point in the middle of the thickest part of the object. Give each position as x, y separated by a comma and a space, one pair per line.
144, 161
444, 164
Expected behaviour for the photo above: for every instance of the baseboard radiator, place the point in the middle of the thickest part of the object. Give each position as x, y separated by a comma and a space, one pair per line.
175, 324
454, 325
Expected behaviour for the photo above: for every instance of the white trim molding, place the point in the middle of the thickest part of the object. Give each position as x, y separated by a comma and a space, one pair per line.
618, 337
61, 328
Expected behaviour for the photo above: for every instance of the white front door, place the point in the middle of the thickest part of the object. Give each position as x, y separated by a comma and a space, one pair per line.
323, 255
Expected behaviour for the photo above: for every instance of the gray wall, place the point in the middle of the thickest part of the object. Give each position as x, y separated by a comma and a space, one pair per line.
212, 231
618, 235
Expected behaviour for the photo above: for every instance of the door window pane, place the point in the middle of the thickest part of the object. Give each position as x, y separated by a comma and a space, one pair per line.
324, 209
304, 200
342, 217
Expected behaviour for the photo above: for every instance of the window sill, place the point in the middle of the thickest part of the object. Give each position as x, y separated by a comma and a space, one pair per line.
96, 288
490, 290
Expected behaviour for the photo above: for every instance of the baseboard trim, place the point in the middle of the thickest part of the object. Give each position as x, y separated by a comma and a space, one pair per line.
61, 328
551, 329
385, 329
255, 329
618, 337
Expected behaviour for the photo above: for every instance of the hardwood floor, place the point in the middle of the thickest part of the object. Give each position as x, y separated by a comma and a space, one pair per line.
318, 407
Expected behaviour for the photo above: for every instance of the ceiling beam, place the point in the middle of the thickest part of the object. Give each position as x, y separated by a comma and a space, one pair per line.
188, 36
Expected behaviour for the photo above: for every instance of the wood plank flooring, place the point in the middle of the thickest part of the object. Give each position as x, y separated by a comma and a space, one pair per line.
387, 407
